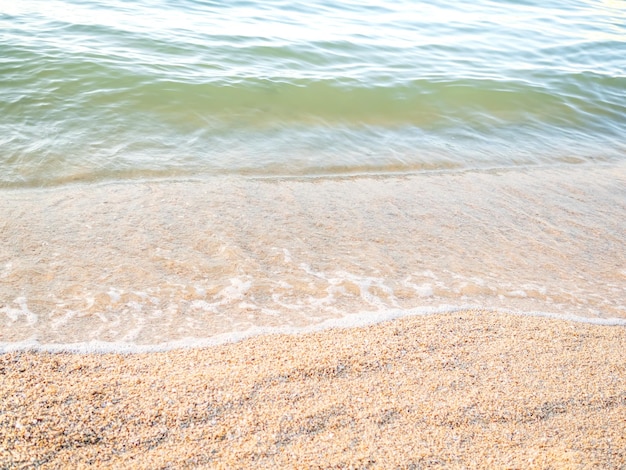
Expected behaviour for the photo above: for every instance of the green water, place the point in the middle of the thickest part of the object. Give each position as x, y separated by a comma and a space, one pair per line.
112, 90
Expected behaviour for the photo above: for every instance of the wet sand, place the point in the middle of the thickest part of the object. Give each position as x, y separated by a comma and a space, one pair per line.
460, 390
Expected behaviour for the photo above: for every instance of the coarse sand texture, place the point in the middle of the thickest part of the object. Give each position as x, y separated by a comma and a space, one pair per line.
468, 389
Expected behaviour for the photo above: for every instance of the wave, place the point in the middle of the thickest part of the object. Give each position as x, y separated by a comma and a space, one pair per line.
105, 90
355, 320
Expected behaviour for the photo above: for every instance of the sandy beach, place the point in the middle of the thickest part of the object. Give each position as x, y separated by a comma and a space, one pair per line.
460, 390
324, 234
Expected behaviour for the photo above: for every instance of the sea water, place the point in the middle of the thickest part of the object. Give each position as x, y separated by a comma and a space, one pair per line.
194, 171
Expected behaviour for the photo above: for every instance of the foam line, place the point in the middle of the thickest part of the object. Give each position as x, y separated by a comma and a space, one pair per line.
354, 320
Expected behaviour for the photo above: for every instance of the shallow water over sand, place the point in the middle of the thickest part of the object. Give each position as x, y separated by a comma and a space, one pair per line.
201, 261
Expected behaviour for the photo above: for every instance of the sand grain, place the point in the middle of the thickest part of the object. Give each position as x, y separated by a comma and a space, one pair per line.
460, 390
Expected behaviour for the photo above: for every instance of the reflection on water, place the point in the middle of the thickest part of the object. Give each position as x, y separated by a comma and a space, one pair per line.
226, 168
93, 91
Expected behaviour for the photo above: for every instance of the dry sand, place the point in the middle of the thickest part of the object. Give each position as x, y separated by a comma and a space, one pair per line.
460, 390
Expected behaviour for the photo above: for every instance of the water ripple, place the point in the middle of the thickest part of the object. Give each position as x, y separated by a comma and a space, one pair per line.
251, 86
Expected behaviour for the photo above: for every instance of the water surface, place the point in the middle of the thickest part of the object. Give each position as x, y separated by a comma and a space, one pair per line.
107, 90
185, 173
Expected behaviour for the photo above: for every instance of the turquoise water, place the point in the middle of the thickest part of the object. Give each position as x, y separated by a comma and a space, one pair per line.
111, 90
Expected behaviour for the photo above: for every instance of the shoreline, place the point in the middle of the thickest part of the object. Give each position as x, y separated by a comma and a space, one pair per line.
204, 259
470, 389
349, 321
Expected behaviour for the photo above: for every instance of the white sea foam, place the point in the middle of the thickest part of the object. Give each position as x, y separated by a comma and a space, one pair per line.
355, 320
15, 314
